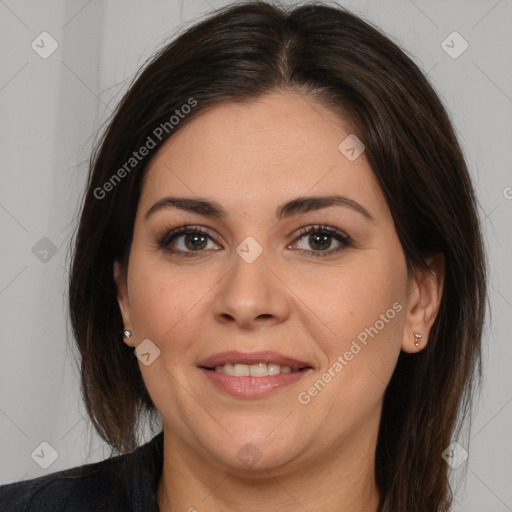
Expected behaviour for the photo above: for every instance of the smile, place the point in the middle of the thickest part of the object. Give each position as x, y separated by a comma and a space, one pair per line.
253, 370
252, 375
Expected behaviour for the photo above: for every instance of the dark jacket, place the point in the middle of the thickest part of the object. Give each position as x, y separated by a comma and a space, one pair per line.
126, 483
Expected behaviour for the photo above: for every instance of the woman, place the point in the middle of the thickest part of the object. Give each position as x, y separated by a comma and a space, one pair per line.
279, 255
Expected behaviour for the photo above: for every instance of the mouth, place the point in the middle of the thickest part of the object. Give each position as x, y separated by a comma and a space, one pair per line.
257, 370
252, 375
253, 364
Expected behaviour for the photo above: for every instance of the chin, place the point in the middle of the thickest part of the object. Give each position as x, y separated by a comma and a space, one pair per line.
253, 450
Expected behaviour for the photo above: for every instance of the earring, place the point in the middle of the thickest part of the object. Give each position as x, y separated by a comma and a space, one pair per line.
418, 338
127, 334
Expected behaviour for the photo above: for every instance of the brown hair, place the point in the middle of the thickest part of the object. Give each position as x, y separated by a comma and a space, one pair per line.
240, 53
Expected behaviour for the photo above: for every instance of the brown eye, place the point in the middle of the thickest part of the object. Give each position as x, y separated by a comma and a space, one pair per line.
186, 240
195, 241
320, 239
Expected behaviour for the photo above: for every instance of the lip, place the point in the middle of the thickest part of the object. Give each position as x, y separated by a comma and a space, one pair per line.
268, 356
252, 387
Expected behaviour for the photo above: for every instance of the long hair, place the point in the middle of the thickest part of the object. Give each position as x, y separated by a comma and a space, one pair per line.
238, 54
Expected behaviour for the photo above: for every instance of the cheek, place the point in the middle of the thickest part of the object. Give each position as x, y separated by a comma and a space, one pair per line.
167, 303
362, 309
158, 298
355, 297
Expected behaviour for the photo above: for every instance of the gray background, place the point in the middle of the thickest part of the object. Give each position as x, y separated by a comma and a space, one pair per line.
51, 110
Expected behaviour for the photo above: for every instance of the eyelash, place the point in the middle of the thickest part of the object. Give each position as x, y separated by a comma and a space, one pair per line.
170, 236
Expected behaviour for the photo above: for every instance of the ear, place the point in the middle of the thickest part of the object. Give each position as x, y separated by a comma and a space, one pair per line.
425, 293
122, 299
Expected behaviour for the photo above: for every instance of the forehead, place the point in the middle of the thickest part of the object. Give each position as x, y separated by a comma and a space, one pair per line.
261, 153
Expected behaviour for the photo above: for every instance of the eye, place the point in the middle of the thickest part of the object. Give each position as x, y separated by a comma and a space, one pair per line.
320, 238
193, 239
187, 240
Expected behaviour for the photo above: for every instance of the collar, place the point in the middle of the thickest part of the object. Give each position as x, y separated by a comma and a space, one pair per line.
144, 468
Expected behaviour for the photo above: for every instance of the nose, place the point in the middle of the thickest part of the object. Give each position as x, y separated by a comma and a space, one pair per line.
252, 295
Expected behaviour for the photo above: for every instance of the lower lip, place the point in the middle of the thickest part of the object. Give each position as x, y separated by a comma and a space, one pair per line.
253, 387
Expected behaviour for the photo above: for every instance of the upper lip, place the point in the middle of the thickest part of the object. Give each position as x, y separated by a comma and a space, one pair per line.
233, 357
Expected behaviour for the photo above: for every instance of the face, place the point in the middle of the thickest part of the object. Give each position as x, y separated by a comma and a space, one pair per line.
334, 304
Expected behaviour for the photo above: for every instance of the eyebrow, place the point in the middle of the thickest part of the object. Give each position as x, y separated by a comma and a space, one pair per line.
293, 207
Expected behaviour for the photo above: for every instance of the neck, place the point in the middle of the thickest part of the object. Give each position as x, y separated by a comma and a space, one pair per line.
340, 480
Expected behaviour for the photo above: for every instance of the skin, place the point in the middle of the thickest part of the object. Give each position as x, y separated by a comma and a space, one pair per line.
251, 158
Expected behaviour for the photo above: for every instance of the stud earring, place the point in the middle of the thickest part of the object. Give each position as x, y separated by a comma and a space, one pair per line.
127, 334
418, 338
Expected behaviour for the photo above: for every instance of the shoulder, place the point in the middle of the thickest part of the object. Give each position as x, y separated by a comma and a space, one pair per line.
70, 489
100, 486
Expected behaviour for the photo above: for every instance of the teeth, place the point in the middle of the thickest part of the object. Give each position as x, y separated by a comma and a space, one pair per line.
253, 370
273, 369
258, 370
241, 370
